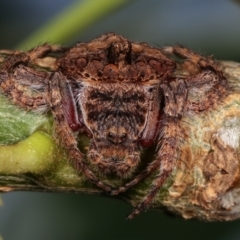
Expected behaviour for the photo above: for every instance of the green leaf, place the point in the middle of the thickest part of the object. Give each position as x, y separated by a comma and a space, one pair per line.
17, 124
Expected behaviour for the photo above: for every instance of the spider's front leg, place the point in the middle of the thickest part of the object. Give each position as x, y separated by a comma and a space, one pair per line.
63, 109
170, 136
206, 81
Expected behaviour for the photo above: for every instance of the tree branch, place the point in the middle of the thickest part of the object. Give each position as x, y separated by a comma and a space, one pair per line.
205, 183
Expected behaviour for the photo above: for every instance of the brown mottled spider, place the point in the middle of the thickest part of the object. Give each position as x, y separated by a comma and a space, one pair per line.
125, 95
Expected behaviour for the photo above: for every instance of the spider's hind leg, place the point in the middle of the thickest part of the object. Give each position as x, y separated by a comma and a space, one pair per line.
45, 49
193, 62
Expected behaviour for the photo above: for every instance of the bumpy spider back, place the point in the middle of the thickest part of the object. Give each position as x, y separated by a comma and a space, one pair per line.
114, 58
118, 97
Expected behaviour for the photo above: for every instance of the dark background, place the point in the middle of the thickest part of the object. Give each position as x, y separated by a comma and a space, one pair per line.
210, 27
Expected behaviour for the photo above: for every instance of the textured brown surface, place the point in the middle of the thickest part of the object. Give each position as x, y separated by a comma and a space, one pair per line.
126, 95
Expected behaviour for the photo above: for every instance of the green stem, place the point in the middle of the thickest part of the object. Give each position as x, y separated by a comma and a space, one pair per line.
72, 21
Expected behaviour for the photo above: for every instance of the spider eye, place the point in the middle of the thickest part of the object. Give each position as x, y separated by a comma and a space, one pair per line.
150, 89
124, 135
111, 134
116, 136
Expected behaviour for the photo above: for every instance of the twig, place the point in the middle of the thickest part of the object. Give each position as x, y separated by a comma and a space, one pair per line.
204, 184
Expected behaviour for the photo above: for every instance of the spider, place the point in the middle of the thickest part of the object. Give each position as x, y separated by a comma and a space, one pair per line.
125, 95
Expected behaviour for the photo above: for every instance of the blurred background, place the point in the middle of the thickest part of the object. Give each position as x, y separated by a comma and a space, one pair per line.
208, 27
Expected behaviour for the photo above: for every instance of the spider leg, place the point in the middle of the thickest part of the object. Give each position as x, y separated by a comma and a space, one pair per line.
56, 82
206, 83
198, 61
166, 158
14, 83
42, 50
169, 138
23, 85
194, 58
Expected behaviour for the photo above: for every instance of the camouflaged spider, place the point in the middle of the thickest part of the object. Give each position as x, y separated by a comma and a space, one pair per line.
126, 95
